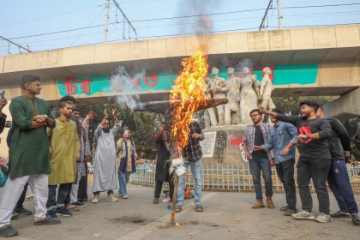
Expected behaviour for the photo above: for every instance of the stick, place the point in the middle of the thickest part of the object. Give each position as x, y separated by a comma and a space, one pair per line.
175, 179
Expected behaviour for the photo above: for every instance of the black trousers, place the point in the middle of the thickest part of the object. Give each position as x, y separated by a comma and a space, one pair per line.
285, 171
82, 192
64, 191
158, 187
318, 170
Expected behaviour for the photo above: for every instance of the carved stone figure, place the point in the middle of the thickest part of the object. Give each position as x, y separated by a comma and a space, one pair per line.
219, 89
209, 114
249, 95
266, 90
232, 113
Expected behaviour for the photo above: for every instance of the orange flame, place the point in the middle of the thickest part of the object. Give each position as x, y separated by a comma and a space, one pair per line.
187, 95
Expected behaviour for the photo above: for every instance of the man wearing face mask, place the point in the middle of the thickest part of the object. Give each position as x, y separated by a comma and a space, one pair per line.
104, 163
314, 161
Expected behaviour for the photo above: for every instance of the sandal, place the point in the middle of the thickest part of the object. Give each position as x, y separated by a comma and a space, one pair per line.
178, 209
199, 208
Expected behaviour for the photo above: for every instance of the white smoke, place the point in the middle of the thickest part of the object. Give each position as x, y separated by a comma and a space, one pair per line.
127, 83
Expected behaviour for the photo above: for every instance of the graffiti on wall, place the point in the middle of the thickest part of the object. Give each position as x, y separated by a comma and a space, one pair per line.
138, 82
220, 146
238, 141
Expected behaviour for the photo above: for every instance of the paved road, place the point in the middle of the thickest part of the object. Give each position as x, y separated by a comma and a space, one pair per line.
226, 216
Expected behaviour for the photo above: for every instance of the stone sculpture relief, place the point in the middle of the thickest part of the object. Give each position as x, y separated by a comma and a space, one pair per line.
232, 113
266, 90
219, 90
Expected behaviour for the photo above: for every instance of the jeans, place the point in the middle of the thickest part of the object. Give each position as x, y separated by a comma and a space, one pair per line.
318, 170
64, 191
123, 180
196, 170
257, 165
339, 184
285, 171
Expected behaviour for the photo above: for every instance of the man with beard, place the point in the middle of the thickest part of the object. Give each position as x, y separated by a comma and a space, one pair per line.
260, 160
29, 154
65, 149
104, 163
338, 178
283, 138
314, 161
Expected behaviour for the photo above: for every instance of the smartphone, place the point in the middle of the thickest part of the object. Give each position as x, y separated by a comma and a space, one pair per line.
2, 94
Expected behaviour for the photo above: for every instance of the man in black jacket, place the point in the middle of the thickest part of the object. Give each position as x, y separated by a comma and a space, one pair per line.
338, 178
314, 161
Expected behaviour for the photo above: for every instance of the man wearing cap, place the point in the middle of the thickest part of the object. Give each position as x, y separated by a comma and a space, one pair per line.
314, 161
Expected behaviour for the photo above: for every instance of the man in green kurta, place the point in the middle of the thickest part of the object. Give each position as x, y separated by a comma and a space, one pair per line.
65, 151
28, 154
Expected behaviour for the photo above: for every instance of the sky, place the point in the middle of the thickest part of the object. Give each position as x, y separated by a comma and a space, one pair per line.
53, 24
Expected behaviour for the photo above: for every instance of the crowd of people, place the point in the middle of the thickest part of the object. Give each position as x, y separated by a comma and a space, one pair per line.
50, 152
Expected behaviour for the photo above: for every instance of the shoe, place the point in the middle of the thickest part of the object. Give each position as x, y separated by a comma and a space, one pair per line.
258, 204
72, 208
304, 215
15, 215
8, 231
95, 199
178, 208
62, 211
112, 198
323, 218
340, 214
156, 201
269, 202
78, 204
125, 197
199, 208
47, 221
22, 210
52, 213
289, 212
355, 218
284, 208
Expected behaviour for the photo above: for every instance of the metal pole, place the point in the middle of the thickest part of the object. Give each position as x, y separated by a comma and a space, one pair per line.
106, 21
279, 14
263, 19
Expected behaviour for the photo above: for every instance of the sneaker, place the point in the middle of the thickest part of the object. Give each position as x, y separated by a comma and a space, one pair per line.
340, 214
355, 218
304, 215
22, 210
112, 198
269, 202
156, 201
52, 213
323, 218
95, 199
289, 212
284, 208
8, 231
125, 197
47, 221
62, 211
178, 208
78, 204
258, 204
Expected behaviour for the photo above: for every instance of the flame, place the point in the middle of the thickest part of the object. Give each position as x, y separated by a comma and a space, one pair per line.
187, 95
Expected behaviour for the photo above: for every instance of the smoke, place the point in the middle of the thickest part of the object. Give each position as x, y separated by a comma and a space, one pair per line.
201, 23
126, 83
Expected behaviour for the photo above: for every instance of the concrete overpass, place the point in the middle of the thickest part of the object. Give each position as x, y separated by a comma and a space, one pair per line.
308, 61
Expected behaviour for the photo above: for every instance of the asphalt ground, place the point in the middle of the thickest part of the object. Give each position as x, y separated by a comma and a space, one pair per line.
226, 216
